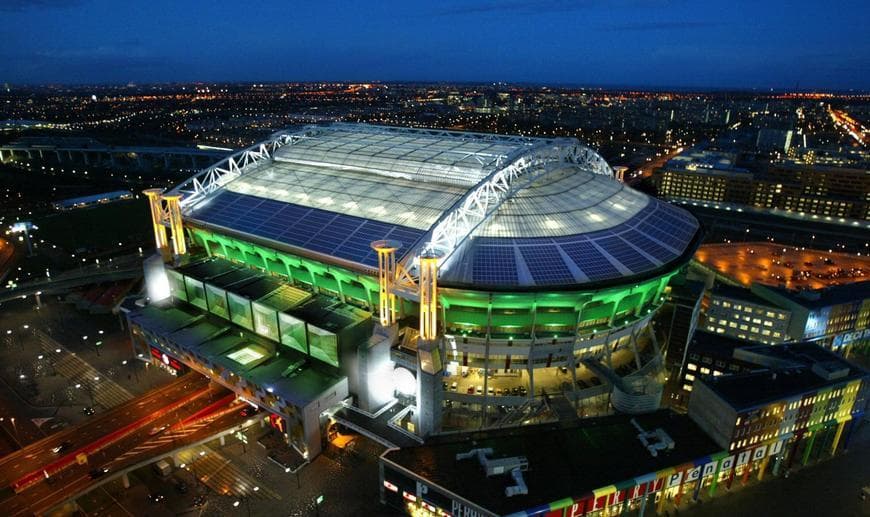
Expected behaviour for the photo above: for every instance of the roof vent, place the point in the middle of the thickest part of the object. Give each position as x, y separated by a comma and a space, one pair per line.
830, 370
654, 441
514, 465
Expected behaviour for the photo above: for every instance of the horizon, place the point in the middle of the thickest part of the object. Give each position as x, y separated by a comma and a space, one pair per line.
555, 86
651, 44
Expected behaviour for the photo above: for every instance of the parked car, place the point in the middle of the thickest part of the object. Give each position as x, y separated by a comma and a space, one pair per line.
180, 486
156, 497
89, 410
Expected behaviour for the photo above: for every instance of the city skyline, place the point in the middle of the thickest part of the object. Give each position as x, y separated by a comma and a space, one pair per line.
642, 44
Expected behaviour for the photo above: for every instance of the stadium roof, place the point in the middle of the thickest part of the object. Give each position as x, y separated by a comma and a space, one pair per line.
511, 212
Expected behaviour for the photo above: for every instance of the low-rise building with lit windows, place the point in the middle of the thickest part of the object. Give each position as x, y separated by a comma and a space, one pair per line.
740, 313
802, 403
836, 317
602, 466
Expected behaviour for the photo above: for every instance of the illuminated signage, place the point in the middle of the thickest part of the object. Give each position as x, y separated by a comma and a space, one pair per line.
277, 422
167, 360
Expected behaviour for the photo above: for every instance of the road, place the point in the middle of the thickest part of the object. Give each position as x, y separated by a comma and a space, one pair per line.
138, 446
39, 454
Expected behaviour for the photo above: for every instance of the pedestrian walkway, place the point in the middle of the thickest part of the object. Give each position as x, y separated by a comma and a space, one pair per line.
104, 391
221, 475
378, 427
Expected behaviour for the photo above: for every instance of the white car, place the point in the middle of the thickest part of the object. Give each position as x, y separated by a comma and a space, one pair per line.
157, 430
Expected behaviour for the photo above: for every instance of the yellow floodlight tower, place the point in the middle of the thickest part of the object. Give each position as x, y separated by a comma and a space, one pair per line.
386, 277
429, 295
173, 205
154, 201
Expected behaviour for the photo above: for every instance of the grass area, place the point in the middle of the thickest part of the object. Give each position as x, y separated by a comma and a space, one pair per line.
97, 228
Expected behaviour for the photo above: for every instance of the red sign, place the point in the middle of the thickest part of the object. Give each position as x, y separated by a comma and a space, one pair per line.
277, 422
169, 361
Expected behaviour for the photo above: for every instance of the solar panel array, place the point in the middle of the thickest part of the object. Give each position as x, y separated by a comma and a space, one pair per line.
657, 235
343, 236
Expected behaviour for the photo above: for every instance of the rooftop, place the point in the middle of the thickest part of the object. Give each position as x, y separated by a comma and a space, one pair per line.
827, 297
739, 293
337, 188
774, 264
268, 365
563, 461
791, 370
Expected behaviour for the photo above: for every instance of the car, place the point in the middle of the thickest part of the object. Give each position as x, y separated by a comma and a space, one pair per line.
453, 386
98, 472
563, 369
479, 390
470, 390
249, 411
180, 486
89, 410
444, 386
62, 446
199, 501
490, 391
156, 497
515, 391
157, 430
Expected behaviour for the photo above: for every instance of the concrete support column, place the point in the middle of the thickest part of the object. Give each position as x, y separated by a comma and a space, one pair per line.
2, 156
193, 161
166, 161
809, 449
837, 436
57, 155
763, 467
29, 154
85, 157
386, 277
777, 463
160, 239
223, 440
173, 203
125, 480
632, 340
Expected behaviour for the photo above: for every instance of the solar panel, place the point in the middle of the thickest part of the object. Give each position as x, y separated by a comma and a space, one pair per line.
587, 257
494, 265
546, 265
628, 256
343, 236
648, 245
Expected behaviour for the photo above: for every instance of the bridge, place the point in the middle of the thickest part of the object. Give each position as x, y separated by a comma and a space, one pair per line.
125, 269
87, 151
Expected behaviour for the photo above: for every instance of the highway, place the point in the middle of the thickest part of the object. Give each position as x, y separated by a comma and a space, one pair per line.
179, 414
76, 479
39, 454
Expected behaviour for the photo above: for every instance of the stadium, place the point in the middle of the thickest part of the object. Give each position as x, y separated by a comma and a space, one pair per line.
465, 280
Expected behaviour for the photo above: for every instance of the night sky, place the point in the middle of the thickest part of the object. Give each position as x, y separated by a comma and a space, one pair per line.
679, 43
